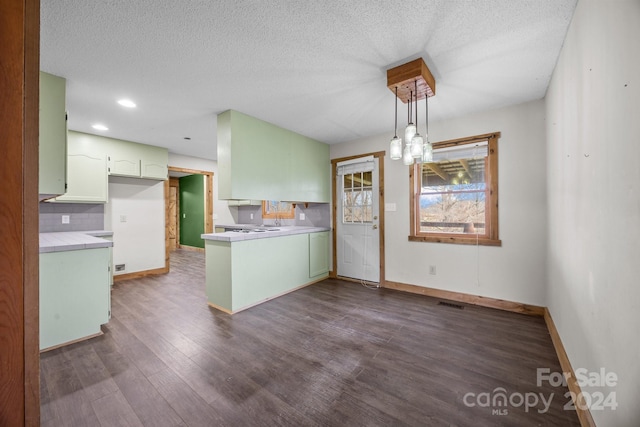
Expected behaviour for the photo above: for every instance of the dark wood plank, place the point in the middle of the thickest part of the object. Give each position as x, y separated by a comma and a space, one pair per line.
149, 406
69, 401
113, 410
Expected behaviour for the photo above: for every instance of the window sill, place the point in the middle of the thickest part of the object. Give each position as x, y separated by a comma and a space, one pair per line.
459, 240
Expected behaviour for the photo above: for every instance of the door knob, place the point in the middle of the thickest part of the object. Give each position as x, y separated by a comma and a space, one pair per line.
375, 226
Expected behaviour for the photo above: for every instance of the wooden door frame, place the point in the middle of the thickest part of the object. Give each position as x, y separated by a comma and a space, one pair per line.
174, 180
208, 206
19, 261
334, 198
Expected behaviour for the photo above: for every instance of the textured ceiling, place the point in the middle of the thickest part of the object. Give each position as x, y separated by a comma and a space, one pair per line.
315, 67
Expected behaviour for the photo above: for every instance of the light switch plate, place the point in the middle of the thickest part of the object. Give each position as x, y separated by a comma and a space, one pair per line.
302, 217
65, 219
390, 207
123, 218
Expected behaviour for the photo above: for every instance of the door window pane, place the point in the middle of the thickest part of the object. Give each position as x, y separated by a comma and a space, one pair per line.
357, 198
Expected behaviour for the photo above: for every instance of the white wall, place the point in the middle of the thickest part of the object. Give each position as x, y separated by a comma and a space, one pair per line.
515, 271
222, 214
593, 155
139, 241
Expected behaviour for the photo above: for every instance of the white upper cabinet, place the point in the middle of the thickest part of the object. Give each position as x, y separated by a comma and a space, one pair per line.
86, 171
137, 160
123, 160
154, 162
92, 158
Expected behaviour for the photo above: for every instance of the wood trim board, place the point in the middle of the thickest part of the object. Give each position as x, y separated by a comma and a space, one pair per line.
19, 300
191, 248
44, 350
584, 415
139, 274
516, 307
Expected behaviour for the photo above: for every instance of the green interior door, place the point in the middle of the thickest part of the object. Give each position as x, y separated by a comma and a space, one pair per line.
192, 210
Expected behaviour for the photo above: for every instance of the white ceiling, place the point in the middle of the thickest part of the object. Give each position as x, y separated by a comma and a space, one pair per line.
314, 67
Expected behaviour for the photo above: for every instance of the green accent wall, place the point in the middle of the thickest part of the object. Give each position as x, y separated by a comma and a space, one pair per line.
192, 210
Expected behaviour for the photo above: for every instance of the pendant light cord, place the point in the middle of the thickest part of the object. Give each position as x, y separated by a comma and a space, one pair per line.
395, 130
426, 116
416, 86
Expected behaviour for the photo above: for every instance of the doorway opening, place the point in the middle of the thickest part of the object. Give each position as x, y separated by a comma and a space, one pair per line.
188, 212
358, 218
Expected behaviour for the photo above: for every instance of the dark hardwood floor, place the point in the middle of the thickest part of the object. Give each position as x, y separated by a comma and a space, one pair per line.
331, 354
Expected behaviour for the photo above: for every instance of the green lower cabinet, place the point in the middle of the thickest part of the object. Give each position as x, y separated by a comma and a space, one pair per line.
74, 295
245, 273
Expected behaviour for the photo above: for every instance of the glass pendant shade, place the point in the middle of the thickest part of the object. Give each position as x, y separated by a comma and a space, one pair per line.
409, 132
427, 152
416, 146
407, 158
395, 150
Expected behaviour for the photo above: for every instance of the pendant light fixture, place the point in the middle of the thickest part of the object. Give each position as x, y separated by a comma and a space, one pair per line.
416, 141
409, 80
395, 149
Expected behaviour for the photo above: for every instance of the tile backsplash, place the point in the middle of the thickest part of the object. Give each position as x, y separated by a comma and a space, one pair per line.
82, 217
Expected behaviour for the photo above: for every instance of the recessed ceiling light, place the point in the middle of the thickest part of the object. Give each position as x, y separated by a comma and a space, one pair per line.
127, 103
98, 126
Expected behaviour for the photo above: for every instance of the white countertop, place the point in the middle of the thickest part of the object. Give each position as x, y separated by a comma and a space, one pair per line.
232, 236
74, 240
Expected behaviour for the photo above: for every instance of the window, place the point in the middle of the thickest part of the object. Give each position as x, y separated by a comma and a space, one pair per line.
273, 209
455, 197
357, 201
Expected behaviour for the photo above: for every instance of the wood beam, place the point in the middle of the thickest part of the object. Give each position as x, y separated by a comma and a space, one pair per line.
465, 165
438, 171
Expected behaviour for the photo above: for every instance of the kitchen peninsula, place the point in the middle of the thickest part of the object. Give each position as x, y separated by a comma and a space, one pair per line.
252, 265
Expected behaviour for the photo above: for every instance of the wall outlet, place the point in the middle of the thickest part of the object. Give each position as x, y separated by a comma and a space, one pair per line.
302, 217
123, 218
432, 270
120, 267
65, 219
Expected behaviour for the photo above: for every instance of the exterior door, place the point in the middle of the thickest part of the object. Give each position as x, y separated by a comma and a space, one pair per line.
358, 235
